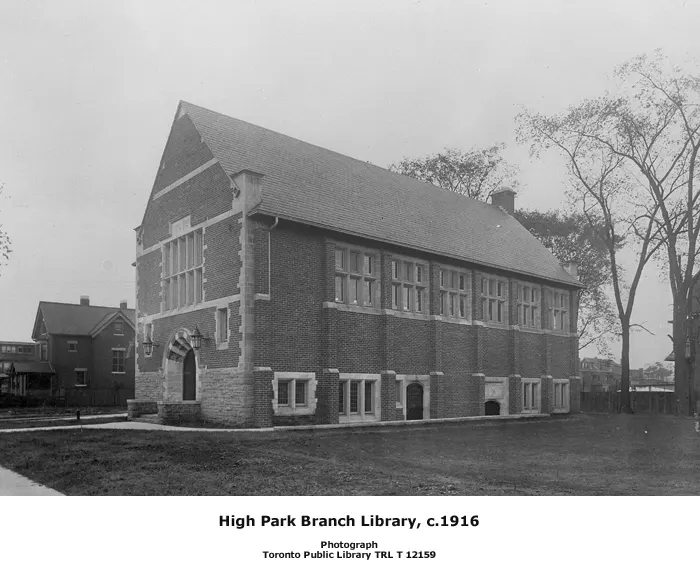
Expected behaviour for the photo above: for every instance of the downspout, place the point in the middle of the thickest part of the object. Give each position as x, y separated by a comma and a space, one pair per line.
269, 255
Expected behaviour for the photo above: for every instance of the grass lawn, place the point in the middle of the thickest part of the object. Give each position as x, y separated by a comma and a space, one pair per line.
582, 455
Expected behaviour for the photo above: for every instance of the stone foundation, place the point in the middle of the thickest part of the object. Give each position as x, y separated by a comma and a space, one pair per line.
138, 408
179, 412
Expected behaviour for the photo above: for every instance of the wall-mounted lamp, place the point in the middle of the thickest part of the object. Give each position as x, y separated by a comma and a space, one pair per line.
196, 338
148, 345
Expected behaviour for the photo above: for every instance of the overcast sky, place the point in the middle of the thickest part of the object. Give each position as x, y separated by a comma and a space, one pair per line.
88, 91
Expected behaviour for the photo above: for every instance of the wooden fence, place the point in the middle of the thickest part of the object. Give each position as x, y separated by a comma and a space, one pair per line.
641, 402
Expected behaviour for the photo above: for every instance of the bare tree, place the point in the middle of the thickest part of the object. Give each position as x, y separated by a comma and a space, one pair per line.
608, 198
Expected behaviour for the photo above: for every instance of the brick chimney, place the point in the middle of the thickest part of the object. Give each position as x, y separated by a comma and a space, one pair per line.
122, 304
504, 198
571, 268
84, 300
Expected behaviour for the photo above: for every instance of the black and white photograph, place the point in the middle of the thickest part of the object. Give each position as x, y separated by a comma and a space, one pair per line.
321, 282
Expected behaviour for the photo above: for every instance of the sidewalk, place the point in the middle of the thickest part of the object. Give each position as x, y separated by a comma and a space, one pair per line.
14, 484
136, 425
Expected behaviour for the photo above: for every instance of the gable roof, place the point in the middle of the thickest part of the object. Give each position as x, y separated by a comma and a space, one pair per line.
111, 317
79, 320
309, 184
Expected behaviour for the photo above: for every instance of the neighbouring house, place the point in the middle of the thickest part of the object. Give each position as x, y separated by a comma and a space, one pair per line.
599, 375
21, 373
89, 348
282, 283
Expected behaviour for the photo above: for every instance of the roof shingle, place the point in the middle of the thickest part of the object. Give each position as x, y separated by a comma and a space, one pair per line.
70, 319
313, 185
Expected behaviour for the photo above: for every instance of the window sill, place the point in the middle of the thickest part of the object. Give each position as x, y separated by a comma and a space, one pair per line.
285, 410
118, 372
222, 346
80, 386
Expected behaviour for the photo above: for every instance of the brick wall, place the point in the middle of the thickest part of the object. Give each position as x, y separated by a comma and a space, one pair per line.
293, 335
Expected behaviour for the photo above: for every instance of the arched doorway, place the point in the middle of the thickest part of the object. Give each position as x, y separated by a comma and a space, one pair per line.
492, 408
180, 366
414, 402
189, 377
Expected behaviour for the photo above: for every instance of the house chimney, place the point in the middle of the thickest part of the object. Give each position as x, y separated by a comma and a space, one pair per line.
571, 269
504, 198
122, 304
84, 300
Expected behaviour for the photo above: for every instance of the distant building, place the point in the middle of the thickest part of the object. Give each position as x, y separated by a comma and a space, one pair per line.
599, 375
21, 373
90, 349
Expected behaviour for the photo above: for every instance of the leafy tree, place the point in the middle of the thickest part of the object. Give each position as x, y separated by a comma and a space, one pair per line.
571, 238
475, 173
658, 369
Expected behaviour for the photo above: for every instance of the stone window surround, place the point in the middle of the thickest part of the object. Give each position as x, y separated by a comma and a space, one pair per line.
401, 281
119, 328
222, 345
566, 395
486, 297
346, 274
292, 410
72, 345
537, 304
448, 290
182, 229
564, 308
531, 409
423, 380
361, 415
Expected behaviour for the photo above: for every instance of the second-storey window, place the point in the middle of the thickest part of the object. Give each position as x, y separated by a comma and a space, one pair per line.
409, 282
528, 305
493, 300
559, 311
222, 325
183, 260
454, 294
72, 346
356, 281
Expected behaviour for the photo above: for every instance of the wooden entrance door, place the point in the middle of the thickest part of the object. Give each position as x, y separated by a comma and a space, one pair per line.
189, 377
414, 402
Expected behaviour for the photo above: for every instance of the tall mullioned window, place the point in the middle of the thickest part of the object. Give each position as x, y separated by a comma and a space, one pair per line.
454, 294
183, 262
356, 277
409, 286
493, 300
529, 305
559, 311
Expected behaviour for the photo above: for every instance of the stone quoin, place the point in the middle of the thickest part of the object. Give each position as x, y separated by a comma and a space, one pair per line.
279, 283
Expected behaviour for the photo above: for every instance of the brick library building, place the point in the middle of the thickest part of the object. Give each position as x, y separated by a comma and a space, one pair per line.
282, 283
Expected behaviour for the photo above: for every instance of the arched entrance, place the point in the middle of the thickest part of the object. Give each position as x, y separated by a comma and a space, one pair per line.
180, 365
189, 377
414, 402
492, 408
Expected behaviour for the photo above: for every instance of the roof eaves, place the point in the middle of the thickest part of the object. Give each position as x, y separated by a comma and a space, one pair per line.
260, 210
